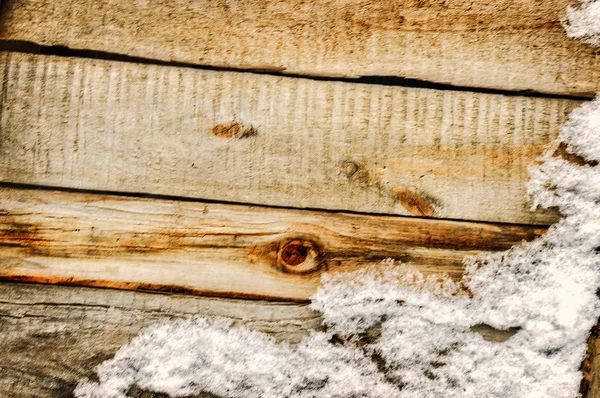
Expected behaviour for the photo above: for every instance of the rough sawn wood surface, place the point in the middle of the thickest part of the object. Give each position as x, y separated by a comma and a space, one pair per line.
268, 140
501, 44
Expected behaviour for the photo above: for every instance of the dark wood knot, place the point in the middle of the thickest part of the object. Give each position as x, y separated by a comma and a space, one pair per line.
298, 256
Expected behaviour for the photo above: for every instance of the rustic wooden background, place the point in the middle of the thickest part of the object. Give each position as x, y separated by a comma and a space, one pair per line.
203, 157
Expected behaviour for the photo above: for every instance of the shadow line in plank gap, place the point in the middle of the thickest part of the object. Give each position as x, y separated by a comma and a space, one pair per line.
395, 81
138, 195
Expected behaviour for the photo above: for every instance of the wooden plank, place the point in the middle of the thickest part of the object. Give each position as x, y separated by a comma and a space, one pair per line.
277, 141
53, 336
501, 44
590, 385
219, 250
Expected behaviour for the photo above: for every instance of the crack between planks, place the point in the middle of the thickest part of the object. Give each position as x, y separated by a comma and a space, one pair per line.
397, 81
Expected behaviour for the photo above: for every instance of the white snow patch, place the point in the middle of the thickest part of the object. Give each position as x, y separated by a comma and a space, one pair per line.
189, 356
419, 340
584, 22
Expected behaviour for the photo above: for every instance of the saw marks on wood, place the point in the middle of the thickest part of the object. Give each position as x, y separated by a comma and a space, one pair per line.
219, 250
501, 44
247, 138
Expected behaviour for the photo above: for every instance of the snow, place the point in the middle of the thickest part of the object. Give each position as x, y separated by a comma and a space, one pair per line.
391, 332
185, 357
584, 22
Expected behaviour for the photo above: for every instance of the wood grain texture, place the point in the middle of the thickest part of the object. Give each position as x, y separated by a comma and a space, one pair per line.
53, 336
219, 250
590, 385
501, 44
291, 142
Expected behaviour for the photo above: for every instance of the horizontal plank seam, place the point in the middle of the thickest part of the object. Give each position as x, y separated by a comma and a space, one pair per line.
12, 185
396, 81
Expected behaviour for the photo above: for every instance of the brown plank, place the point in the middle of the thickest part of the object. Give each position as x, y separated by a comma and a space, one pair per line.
590, 385
277, 141
219, 250
54, 336
501, 44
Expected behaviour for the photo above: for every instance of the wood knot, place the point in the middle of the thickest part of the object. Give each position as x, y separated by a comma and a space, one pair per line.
347, 168
298, 256
414, 203
233, 129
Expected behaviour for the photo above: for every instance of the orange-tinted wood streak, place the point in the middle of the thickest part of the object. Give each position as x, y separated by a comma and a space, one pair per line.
143, 287
216, 249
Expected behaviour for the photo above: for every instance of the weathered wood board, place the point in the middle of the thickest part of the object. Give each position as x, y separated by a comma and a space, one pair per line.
291, 142
590, 385
219, 250
501, 44
54, 336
